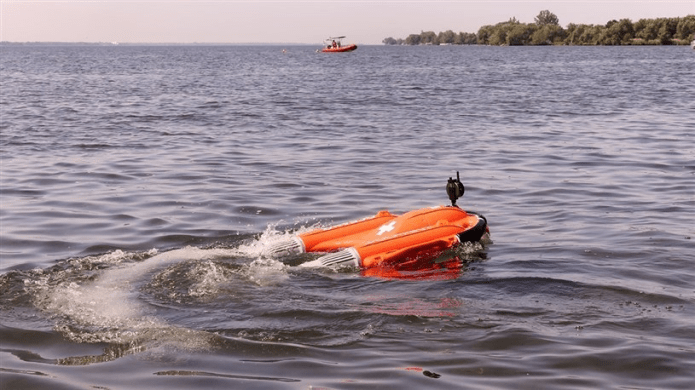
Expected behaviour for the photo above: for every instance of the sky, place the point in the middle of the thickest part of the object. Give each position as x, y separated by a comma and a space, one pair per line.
286, 22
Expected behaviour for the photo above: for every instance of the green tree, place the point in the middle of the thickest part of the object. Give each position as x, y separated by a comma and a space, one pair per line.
428, 37
667, 30
498, 37
520, 34
619, 32
447, 36
591, 35
484, 34
413, 39
642, 32
502, 30
467, 39
608, 37
548, 35
547, 31
647, 29
573, 32
686, 28
546, 17
626, 31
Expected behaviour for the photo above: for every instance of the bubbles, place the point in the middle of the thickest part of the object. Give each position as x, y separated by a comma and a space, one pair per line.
266, 240
97, 299
114, 297
209, 277
195, 281
473, 250
265, 272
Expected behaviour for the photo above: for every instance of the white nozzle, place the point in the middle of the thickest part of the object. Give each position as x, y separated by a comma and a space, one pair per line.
285, 248
346, 257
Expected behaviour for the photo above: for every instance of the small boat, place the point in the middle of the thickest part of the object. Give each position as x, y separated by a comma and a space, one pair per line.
388, 240
692, 44
334, 45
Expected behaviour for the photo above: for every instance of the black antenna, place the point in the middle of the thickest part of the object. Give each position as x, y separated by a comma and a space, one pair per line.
455, 189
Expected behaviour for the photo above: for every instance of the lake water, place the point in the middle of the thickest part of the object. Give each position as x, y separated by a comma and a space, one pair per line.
141, 185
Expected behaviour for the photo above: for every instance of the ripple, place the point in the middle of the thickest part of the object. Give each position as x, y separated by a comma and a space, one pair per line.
207, 154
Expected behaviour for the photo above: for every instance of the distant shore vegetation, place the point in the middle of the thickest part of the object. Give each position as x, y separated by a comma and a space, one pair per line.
546, 30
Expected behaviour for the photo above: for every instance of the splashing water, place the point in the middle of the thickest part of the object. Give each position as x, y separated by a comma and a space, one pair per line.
97, 299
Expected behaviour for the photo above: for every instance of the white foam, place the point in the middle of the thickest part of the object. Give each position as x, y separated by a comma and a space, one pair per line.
266, 272
94, 305
271, 236
209, 277
106, 308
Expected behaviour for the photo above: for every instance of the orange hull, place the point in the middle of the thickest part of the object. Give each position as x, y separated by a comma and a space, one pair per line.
386, 239
346, 48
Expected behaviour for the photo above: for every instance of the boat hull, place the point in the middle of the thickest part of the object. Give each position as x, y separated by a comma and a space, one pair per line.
341, 49
387, 239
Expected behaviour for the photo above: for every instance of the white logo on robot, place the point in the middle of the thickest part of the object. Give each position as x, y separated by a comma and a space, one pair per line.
386, 228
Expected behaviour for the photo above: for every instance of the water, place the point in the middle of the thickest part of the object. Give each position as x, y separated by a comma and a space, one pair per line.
140, 186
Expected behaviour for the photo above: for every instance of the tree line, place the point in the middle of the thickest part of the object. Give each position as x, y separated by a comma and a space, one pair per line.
546, 30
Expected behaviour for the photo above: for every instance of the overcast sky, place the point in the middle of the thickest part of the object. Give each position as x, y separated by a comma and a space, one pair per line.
262, 21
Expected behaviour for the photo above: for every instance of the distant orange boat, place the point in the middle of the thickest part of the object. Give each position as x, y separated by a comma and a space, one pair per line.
334, 45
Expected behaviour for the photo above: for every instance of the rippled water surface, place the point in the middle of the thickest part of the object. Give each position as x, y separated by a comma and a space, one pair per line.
141, 185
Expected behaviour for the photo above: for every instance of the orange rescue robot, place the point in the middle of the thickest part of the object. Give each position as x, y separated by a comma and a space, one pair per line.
388, 240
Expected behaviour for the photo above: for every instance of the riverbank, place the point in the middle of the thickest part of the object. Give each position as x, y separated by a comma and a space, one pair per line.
546, 30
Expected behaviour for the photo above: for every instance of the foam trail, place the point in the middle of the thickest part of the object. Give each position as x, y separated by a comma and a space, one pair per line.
107, 309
